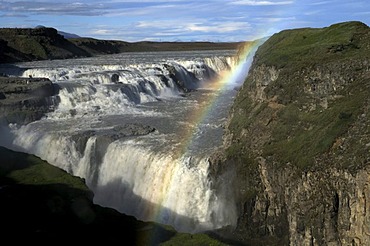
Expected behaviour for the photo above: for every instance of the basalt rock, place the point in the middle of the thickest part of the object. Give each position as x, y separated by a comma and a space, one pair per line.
184, 83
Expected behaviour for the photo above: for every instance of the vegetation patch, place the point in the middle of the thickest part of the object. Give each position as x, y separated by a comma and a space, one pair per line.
303, 47
299, 136
192, 239
301, 129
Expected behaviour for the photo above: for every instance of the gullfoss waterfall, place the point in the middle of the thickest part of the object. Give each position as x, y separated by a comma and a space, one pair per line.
139, 129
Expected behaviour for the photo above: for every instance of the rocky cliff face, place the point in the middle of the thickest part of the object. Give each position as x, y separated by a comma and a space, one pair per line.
23, 100
298, 140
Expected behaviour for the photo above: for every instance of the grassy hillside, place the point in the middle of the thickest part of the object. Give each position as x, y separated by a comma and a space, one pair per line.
321, 89
299, 48
302, 112
18, 44
26, 44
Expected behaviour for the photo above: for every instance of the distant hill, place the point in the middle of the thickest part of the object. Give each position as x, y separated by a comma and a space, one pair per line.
20, 44
68, 35
41, 43
64, 34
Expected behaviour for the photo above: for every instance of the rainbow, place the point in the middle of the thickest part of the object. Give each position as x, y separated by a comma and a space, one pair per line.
238, 71
243, 58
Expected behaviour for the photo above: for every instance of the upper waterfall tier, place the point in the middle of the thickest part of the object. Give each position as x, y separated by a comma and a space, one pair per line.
113, 84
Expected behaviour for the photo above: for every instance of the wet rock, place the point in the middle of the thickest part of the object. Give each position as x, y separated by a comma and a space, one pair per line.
115, 78
133, 129
185, 84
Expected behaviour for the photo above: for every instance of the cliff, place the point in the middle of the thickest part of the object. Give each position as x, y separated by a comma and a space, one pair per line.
298, 140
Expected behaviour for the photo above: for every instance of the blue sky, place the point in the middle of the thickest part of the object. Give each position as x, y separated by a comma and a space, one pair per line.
179, 20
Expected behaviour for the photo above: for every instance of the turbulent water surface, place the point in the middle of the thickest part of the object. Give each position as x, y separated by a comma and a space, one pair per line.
164, 99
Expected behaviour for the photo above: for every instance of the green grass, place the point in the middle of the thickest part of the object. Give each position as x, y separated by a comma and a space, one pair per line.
304, 47
299, 135
26, 169
191, 240
29, 45
296, 134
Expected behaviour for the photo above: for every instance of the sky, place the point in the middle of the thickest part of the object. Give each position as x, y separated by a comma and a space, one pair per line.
180, 20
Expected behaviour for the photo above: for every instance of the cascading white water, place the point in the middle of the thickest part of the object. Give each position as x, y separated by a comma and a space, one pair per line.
135, 179
161, 188
144, 176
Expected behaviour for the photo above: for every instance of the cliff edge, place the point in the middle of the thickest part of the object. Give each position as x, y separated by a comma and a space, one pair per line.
298, 140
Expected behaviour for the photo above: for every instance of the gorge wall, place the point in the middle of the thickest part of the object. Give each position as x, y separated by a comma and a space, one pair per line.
298, 140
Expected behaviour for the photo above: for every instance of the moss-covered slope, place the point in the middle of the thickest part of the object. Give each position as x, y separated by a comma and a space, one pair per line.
315, 86
299, 127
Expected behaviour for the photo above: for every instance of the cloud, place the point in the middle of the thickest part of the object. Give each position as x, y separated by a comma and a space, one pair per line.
191, 25
92, 7
13, 15
222, 20
313, 12
101, 32
261, 3
55, 8
321, 3
174, 30
275, 19
162, 24
221, 27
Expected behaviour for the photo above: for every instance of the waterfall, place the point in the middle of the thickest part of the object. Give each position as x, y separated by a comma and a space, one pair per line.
149, 184
135, 171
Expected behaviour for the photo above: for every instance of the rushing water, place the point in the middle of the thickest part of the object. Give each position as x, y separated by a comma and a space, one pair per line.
161, 176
